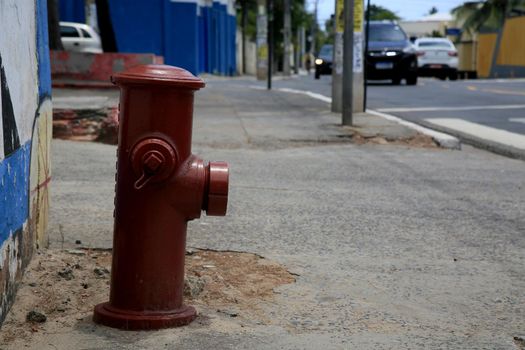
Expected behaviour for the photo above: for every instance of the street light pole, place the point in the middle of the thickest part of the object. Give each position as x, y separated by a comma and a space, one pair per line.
262, 40
348, 56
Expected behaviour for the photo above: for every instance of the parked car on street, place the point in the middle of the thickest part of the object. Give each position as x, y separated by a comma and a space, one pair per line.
437, 57
390, 55
80, 37
323, 62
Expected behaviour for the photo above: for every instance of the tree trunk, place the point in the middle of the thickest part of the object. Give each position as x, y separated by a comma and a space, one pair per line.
53, 25
107, 36
287, 36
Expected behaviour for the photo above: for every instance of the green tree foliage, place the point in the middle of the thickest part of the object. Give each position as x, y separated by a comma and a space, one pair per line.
300, 18
378, 13
489, 14
329, 25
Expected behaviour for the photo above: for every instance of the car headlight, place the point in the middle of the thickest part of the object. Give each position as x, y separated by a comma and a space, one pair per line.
318, 61
409, 49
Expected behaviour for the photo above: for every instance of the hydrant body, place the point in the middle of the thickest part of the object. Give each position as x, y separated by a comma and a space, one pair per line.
160, 186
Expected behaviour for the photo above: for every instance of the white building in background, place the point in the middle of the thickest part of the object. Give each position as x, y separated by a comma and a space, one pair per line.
425, 26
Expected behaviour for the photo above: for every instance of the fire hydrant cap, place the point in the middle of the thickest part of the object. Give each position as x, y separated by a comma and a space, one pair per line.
218, 177
154, 74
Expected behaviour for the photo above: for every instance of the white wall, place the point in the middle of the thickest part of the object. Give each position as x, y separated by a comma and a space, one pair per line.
251, 55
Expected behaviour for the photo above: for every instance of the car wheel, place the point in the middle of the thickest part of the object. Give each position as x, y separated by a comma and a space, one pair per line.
453, 75
317, 74
396, 81
412, 79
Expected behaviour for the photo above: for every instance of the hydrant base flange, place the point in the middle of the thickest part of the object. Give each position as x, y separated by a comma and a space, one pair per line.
106, 315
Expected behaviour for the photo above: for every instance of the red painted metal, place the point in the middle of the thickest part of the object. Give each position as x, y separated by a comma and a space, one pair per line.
160, 186
91, 70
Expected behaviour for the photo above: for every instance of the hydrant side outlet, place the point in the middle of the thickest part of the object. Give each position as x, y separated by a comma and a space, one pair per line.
160, 186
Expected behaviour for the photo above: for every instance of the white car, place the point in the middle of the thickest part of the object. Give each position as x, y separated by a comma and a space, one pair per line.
436, 57
80, 37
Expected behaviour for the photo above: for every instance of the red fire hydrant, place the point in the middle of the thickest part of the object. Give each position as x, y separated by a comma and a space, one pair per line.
160, 186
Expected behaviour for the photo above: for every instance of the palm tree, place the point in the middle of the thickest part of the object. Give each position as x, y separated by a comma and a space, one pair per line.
488, 14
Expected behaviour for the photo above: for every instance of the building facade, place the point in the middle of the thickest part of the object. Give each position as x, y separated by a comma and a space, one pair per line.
25, 136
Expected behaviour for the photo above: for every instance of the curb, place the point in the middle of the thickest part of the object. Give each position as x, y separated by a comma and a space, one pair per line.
442, 139
483, 144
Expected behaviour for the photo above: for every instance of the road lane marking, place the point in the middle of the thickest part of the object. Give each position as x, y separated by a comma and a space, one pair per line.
295, 91
442, 109
472, 88
497, 81
517, 120
481, 131
505, 92
307, 93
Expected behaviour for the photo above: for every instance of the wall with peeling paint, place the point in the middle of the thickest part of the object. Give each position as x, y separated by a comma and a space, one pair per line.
25, 135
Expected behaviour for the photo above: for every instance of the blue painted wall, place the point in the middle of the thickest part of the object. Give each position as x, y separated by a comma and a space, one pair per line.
182, 35
14, 194
138, 25
197, 37
202, 40
72, 11
42, 45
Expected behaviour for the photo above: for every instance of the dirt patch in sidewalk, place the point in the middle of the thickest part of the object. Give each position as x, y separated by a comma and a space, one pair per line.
99, 125
418, 140
60, 288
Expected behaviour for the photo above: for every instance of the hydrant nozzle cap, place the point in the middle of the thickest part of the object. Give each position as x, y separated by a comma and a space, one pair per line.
155, 74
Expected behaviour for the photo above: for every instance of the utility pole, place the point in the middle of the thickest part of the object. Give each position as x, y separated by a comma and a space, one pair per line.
243, 20
337, 66
262, 40
358, 61
269, 10
287, 36
297, 53
303, 47
348, 54
313, 30
353, 63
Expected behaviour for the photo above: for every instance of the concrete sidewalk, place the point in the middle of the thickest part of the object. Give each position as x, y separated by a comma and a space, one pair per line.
88, 105
392, 245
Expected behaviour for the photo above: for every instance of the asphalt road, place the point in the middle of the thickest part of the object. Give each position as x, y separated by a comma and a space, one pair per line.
487, 113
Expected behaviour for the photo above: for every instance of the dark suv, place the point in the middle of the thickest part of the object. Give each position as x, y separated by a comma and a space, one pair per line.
390, 54
323, 62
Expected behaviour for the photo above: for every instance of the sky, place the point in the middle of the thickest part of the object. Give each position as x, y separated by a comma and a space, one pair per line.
406, 9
